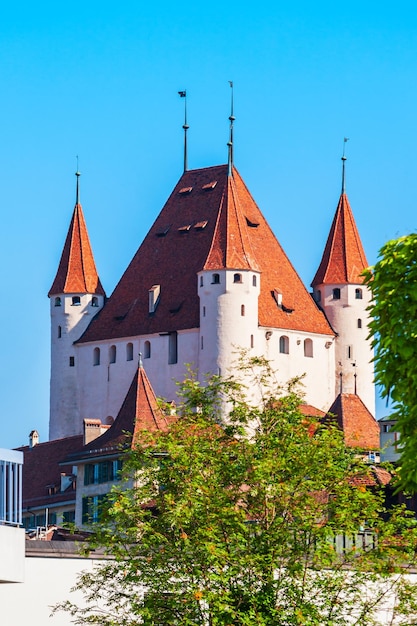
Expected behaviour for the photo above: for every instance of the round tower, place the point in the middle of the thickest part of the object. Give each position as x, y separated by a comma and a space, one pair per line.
339, 290
76, 296
228, 317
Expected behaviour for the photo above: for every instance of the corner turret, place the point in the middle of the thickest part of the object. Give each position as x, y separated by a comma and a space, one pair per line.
76, 296
339, 290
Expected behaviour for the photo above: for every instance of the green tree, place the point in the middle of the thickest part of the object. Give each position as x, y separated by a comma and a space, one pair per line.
393, 282
222, 529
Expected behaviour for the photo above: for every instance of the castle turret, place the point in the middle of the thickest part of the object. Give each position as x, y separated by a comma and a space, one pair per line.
339, 290
76, 296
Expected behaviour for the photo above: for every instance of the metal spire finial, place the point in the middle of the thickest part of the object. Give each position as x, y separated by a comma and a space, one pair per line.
183, 94
140, 362
77, 192
343, 164
230, 143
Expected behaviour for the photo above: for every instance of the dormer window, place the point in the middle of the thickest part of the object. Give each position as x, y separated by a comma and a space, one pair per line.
76, 301
215, 279
58, 301
336, 293
358, 294
94, 301
154, 293
237, 278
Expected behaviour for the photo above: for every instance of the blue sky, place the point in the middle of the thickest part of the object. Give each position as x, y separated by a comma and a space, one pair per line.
100, 80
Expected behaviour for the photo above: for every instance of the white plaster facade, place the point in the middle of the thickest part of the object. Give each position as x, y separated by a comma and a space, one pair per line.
346, 307
70, 316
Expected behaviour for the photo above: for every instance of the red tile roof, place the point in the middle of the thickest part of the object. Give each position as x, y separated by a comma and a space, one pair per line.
77, 270
139, 412
235, 236
359, 427
343, 258
41, 472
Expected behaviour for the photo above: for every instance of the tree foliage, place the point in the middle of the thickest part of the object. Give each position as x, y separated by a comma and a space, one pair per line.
223, 529
393, 282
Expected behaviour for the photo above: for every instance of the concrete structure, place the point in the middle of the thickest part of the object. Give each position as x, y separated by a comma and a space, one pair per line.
12, 536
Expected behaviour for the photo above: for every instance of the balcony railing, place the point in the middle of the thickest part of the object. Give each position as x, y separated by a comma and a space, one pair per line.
11, 463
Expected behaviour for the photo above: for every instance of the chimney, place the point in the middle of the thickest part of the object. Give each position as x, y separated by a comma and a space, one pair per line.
93, 428
33, 438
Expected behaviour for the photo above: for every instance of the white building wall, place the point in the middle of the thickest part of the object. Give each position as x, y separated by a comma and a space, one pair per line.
353, 350
106, 384
68, 322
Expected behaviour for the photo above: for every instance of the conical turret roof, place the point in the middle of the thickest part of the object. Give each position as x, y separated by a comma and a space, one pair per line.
210, 222
344, 258
77, 270
358, 425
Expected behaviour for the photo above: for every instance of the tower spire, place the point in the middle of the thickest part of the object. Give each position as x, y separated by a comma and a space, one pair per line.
183, 94
343, 165
230, 143
77, 190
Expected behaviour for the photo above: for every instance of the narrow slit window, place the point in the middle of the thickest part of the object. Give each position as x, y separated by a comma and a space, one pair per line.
242, 310
173, 348
284, 346
96, 356
71, 361
147, 350
359, 323
254, 280
59, 332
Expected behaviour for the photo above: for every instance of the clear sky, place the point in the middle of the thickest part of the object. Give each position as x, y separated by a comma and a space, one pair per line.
100, 80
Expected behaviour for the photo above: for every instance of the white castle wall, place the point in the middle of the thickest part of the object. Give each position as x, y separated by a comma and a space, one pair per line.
353, 350
213, 348
68, 322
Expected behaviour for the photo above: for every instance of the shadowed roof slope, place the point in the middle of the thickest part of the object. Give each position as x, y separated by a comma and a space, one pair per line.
343, 258
41, 470
210, 222
359, 427
77, 270
139, 412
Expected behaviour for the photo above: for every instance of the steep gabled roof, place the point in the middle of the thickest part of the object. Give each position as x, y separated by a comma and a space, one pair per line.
359, 427
42, 472
343, 258
77, 270
210, 222
139, 412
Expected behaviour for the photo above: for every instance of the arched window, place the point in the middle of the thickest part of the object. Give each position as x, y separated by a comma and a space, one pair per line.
242, 310
336, 293
254, 280
94, 301
237, 278
284, 344
76, 300
96, 356
59, 332
358, 293
308, 347
129, 352
112, 354
359, 323
215, 279
58, 301
147, 350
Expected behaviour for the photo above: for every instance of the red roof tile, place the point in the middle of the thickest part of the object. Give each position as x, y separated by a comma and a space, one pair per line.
77, 270
236, 236
343, 258
359, 427
41, 470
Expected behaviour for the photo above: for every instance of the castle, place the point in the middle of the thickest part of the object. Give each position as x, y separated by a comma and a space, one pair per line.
209, 278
